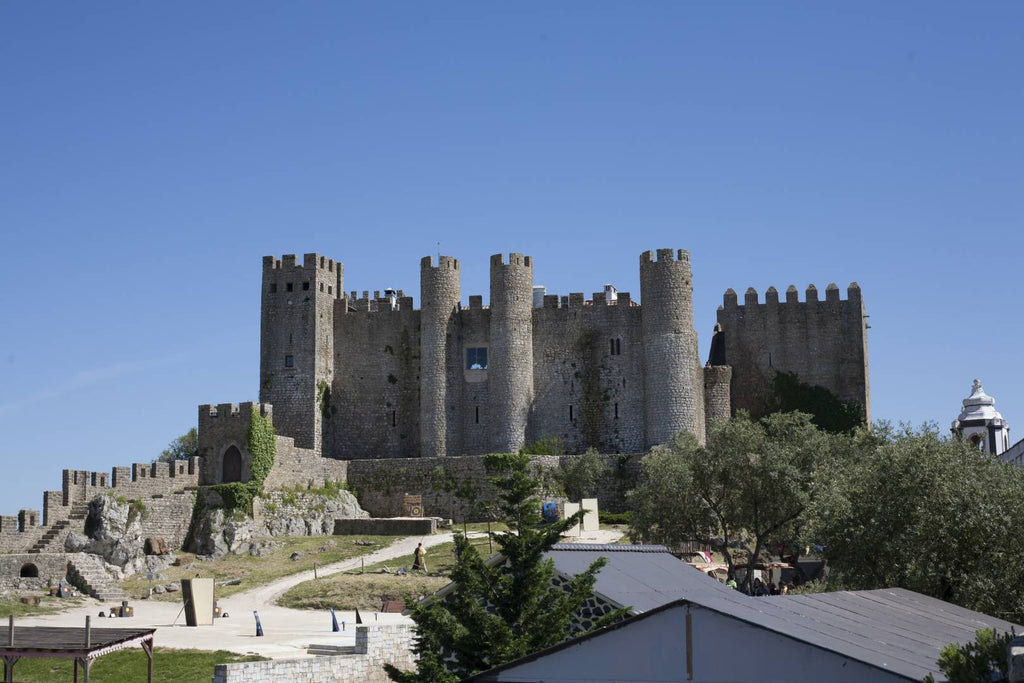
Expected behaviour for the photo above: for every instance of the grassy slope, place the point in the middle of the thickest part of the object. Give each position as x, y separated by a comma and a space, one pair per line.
369, 590
255, 571
169, 666
13, 606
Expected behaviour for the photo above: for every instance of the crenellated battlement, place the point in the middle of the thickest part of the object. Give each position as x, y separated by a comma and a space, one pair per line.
664, 255
750, 297
443, 263
309, 262
514, 260
234, 410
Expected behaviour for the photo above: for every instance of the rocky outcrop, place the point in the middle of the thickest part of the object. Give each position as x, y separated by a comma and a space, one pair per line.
278, 513
216, 534
291, 513
114, 531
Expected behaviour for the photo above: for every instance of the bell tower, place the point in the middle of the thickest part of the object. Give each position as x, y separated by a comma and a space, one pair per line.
981, 424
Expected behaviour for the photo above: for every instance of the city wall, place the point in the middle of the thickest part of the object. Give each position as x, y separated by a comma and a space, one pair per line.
456, 487
823, 342
64, 510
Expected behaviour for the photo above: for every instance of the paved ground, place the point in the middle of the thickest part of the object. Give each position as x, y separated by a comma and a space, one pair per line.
286, 632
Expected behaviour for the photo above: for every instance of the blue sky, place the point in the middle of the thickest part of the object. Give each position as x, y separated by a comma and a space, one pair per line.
152, 153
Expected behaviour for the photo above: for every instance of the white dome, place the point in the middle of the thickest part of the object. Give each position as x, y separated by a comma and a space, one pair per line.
979, 406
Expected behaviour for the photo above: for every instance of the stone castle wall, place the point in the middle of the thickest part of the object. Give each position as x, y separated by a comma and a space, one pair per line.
375, 645
456, 487
297, 340
601, 372
824, 342
63, 510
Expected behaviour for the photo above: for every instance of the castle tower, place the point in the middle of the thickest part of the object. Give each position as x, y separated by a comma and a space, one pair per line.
510, 371
673, 378
439, 294
981, 424
297, 341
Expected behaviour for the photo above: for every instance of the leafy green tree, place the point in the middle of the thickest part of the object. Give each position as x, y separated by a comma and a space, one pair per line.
579, 475
182, 448
911, 509
507, 607
982, 661
752, 483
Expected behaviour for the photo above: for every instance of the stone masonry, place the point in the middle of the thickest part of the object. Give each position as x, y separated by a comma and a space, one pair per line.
375, 645
368, 377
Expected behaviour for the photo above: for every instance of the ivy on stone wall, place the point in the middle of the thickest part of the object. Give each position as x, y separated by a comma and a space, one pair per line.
827, 410
238, 496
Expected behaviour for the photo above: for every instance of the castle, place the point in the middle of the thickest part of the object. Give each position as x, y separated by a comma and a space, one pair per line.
372, 391
365, 377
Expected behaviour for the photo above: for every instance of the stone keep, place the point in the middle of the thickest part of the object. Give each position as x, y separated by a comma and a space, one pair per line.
357, 377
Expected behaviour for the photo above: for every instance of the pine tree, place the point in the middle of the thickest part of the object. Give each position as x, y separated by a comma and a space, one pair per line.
507, 607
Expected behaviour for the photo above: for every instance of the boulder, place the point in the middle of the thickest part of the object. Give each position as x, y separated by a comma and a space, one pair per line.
76, 543
217, 535
114, 528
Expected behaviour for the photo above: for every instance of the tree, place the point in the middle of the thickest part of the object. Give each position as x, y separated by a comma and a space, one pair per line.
182, 448
911, 509
751, 483
580, 474
982, 661
505, 608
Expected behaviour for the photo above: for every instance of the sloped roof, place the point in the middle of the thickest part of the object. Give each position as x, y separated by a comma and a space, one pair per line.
638, 576
893, 629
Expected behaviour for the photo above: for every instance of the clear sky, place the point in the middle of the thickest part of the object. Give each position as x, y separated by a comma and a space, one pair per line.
152, 153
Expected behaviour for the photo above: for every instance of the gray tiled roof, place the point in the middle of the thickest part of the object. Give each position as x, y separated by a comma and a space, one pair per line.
893, 629
642, 577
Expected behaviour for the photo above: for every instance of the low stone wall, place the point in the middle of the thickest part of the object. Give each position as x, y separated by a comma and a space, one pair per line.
375, 646
399, 526
457, 487
50, 569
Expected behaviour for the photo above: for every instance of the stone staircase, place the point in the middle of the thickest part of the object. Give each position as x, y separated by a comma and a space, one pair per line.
90, 576
331, 650
76, 519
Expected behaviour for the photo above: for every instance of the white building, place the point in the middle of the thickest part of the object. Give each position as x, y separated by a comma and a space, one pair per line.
981, 424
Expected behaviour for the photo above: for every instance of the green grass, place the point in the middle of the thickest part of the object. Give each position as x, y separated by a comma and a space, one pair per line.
169, 666
256, 571
364, 591
369, 590
47, 605
440, 558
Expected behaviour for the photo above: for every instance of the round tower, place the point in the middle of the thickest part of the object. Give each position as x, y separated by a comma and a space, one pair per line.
673, 377
439, 297
510, 380
981, 424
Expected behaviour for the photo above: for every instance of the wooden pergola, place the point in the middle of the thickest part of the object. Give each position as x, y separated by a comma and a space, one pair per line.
83, 645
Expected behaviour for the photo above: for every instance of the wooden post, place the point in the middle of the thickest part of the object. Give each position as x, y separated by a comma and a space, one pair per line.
147, 646
88, 634
314, 570
10, 631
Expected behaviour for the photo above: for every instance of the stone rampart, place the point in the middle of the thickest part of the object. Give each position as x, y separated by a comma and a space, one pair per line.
25, 570
63, 510
456, 487
823, 342
375, 646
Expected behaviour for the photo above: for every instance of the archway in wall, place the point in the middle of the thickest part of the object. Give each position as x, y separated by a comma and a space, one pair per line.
232, 466
29, 571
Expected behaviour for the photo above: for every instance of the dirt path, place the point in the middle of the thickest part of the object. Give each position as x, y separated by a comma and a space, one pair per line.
286, 632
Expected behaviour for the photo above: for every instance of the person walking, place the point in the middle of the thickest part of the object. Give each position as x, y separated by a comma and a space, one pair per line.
420, 558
